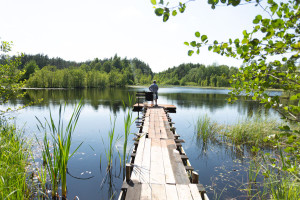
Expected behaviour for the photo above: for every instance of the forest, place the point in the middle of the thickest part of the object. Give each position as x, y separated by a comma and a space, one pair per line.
40, 71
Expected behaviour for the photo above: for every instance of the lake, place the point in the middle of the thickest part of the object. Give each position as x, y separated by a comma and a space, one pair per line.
222, 169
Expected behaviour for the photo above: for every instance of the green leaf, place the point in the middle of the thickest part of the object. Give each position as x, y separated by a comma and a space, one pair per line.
161, 2
197, 34
203, 38
166, 17
190, 52
245, 48
186, 43
294, 97
198, 51
225, 45
174, 12
245, 33
259, 17
209, 48
239, 51
245, 41
193, 43
159, 11
153, 2
255, 21
181, 7
274, 7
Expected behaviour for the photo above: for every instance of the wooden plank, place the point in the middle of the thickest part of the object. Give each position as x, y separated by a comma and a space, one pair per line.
135, 175
146, 163
171, 192
180, 174
205, 196
157, 172
133, 193
183, 192
170, 178
158, 192
146, 192
195, 192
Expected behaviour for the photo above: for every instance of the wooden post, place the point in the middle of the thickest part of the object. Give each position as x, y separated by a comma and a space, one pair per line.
195, 177
128, 171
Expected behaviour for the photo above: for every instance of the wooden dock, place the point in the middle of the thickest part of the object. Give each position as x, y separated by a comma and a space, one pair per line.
159, 168
140, 106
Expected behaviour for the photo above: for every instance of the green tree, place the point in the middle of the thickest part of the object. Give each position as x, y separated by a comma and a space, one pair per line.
9, 74
30, 67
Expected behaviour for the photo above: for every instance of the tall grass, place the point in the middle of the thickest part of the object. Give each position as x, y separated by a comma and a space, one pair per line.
205, 128
109, 151
282, 177
252, 131
128, 121
58, 153
13, 163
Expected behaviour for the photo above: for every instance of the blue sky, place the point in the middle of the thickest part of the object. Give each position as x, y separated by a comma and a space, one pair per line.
83, 30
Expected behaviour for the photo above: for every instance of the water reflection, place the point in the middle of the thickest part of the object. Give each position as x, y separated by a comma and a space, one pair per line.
212, 160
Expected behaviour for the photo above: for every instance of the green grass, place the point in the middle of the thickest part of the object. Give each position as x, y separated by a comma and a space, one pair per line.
109, 149
57, 154
252, 131
13, 163
128, 121
205, 128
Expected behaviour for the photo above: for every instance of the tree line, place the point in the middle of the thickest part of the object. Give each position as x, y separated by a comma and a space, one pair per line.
40, 71
197, 75
43, 72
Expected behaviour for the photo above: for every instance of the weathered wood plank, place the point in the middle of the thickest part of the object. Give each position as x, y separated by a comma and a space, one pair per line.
184, 192
195, 192
157, 172
146, 163
170, 178
135, 175
158, 192
134, 192
180, 174
146, 192
171, 192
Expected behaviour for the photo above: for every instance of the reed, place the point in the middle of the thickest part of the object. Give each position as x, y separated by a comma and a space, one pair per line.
128, 121
282, 177
13, 163
57, 157
252, 131
205, 128
109, 151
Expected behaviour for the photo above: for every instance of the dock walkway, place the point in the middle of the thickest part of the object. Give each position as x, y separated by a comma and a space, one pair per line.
159, 168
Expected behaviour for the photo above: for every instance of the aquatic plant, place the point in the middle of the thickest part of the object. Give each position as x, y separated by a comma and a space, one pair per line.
205, 128
57, 155
282, 177
109, 151
128, 121
13, 163
252, 131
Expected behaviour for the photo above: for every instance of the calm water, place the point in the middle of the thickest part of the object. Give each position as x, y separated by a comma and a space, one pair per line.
221, 168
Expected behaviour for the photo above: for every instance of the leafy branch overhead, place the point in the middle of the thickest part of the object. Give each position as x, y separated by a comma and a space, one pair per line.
163, 9
270, 53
